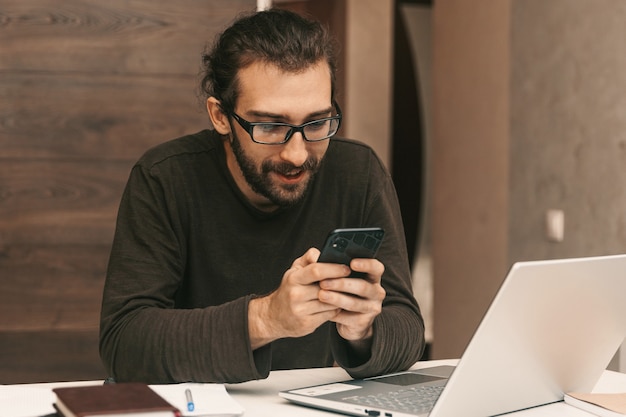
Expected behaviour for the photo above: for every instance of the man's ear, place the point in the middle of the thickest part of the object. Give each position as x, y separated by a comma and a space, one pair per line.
218, 117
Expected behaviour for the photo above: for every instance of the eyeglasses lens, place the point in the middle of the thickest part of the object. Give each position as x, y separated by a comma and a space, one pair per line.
277, 133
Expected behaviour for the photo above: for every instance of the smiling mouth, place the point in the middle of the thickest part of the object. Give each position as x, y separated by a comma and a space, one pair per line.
291, 177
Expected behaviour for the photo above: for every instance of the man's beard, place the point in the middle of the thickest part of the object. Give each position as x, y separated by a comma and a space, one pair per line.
282, 195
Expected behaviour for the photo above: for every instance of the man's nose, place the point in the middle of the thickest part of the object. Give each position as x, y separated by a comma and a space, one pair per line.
295, 150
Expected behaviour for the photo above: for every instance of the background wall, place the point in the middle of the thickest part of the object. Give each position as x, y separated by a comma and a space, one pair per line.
470, 163
369, 46
85, 88
568, 127
530, 115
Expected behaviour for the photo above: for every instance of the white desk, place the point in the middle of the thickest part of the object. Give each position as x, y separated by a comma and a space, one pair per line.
260, 398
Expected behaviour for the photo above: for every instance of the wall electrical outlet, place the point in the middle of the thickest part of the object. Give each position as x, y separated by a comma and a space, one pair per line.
555, 225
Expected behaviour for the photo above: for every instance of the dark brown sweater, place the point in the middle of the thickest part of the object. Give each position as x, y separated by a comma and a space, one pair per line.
190, 252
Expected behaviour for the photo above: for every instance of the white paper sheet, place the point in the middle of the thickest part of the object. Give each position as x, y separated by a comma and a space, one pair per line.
24, 401
209, 399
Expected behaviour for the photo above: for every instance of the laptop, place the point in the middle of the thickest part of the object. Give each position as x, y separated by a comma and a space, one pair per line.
553, 327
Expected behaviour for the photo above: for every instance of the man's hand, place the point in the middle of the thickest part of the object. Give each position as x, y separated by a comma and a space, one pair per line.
294, 309
311, 294
359, 300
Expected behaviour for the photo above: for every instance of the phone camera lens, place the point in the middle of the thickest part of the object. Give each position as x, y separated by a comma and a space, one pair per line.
340, 244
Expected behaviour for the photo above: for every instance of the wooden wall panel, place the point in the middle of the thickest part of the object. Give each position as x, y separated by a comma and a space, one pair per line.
43, 356
85, 88
112, 116
53, 287
113, 36
48, 201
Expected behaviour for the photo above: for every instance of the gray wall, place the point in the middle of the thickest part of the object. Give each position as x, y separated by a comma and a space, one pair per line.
568, 126
529, 114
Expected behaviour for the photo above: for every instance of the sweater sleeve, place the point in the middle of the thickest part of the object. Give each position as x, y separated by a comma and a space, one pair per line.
142, 336
398, 331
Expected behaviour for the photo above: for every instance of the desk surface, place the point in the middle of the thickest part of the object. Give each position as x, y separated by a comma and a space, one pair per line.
260, 398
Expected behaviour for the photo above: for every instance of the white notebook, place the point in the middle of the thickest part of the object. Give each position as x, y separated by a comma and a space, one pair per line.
603, 405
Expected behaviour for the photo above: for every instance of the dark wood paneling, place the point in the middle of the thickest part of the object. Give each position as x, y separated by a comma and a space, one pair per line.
86, 86
44, 356
107, 117
113, 36
59, 202
51, 287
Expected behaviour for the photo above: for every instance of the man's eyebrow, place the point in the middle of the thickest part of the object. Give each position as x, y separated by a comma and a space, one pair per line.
277, 116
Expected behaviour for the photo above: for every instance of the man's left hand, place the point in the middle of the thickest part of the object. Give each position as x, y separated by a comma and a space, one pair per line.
360, 299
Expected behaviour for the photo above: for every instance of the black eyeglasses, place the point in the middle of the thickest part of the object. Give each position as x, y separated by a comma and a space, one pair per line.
276, 133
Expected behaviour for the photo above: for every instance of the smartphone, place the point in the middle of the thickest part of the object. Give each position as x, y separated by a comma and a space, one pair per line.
343, 245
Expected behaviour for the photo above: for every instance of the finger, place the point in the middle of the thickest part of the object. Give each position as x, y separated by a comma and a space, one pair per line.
298, 325
353, 320
372, 267
350, 302
317, 272
309, 257
313, 307
358, 287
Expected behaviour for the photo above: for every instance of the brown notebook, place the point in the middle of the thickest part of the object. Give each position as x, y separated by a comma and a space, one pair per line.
112, 400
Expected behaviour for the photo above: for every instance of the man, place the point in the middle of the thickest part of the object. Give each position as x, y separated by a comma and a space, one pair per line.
213, 274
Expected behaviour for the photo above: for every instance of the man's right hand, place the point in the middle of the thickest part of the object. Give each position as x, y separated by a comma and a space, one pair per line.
293, 309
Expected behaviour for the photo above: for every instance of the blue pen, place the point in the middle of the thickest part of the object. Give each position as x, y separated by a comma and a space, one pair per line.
190, 404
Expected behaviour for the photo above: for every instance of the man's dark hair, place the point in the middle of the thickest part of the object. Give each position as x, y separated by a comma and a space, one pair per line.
278, 37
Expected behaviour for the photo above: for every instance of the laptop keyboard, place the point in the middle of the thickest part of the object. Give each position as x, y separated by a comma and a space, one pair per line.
414, 400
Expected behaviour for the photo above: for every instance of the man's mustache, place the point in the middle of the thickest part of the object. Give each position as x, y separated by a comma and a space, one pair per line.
285, 168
